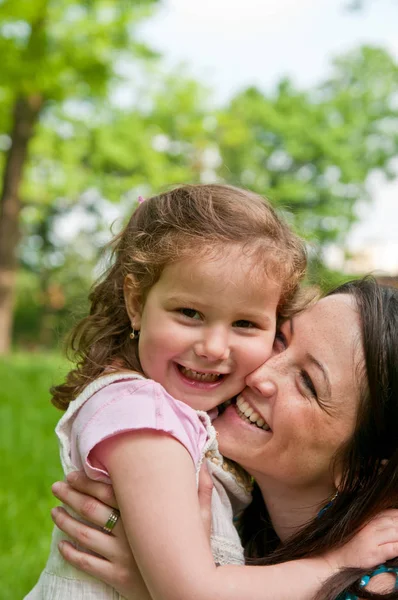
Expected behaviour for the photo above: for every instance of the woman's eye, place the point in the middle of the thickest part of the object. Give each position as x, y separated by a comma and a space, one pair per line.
280, 343
307, 381
191, 313
244, 324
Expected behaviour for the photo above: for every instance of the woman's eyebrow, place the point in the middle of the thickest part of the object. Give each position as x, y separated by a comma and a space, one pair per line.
316, 363
322, 370
291, 326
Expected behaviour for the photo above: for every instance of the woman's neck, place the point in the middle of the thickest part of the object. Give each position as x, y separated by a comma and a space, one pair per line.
291, 508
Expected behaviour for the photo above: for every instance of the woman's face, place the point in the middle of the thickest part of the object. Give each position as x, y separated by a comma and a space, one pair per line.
307, 393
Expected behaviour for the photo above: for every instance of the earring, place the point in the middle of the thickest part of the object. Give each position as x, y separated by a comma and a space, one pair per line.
329, 504
135, 334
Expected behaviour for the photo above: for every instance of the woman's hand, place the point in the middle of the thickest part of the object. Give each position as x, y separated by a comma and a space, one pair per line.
93, 501
373, 545
115, 565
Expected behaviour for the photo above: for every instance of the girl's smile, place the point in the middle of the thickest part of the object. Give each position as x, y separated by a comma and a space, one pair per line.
201, 379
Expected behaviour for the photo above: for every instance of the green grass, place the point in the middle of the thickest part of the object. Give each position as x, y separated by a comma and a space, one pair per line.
29, 464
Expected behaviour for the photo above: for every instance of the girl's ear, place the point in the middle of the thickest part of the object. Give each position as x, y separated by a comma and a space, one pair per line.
132, 300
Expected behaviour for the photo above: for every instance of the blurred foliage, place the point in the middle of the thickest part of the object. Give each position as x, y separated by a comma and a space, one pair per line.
66, 48
57, 55
310, 151
72, 180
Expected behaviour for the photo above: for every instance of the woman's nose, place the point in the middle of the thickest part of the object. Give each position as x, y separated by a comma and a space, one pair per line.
263, 380
213, 345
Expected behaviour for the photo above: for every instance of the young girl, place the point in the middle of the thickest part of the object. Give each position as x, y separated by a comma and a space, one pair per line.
185, 313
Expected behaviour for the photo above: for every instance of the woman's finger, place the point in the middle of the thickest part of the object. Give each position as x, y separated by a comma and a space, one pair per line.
89, 538
125, 578
386, 518
102, 491
89, 508
93, 565
205, 491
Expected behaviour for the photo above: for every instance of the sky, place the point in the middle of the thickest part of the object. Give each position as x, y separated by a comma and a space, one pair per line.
230, 44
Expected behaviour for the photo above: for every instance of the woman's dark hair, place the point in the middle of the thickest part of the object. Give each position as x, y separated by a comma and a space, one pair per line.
370, 459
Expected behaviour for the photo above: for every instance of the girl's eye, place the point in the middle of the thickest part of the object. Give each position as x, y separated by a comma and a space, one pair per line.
191, 313
307, 381
280, 343
244, 324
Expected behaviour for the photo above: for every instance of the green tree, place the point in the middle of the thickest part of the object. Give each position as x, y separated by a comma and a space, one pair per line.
53, 51
313, 151
78, 165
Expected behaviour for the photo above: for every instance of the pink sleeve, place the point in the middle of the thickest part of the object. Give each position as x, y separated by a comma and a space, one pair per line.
127, 406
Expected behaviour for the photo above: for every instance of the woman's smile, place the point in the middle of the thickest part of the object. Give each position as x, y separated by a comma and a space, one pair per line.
249, 414
233, 417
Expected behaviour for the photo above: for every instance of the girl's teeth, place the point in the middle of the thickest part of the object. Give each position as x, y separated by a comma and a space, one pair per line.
197, 376
249, 415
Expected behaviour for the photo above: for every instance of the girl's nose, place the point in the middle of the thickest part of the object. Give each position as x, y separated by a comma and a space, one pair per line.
263, 381
214, 345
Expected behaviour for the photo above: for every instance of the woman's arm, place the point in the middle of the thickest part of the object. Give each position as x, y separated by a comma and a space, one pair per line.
154, 483
115, 571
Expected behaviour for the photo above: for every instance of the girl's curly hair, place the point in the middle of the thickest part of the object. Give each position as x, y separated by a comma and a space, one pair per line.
190, 221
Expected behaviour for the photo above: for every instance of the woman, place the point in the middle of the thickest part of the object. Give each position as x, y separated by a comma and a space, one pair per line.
330, 397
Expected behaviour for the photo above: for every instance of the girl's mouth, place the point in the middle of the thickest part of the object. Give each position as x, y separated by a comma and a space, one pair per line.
248, 414
199, 376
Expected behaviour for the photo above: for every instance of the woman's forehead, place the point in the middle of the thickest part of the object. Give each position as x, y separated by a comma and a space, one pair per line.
330, 331
340, 307
334, 319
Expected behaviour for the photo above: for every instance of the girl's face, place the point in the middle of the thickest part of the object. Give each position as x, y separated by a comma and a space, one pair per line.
205, 325
304, 399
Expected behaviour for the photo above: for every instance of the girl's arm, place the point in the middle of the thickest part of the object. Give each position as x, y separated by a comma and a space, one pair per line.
113, 562
154, 483
119, 569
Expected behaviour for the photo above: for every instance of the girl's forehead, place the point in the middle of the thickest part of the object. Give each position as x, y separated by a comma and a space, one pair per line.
226, 282
234, 268
227, 258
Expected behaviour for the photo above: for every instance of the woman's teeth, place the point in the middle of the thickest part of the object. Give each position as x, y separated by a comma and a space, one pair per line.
198, 376
249, 415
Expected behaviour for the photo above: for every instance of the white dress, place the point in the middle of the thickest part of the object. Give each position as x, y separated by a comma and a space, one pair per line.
231, 494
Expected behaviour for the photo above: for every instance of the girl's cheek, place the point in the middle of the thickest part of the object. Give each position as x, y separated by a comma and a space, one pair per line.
264, 349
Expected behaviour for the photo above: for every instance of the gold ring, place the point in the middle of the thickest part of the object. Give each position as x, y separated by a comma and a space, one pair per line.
111, 522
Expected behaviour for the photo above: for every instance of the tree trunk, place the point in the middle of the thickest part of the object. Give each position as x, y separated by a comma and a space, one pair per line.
25, 115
